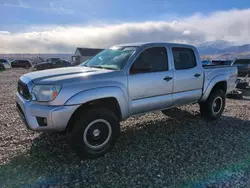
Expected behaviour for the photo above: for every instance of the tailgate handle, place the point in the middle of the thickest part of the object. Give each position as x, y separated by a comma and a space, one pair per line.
197, 75
167, 78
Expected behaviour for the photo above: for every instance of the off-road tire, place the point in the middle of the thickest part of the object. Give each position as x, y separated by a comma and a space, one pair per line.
83, 121
206, 108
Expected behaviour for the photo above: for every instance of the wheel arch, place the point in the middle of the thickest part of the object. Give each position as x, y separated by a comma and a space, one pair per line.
109, 102
217, 83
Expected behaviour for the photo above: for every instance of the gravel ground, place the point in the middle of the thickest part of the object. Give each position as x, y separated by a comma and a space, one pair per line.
179, 150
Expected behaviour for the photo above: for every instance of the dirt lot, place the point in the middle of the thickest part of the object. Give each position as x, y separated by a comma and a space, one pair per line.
180, 150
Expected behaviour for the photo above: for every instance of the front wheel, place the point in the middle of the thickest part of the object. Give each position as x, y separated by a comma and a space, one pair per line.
213, 108
95, 133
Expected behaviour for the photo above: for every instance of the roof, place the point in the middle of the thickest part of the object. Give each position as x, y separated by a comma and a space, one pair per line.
139, 44
89, 51
136, 44
21, 60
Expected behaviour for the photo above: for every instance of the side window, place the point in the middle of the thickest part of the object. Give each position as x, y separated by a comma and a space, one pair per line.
60, 64
184, 58
53, 64
151, 60
22, 62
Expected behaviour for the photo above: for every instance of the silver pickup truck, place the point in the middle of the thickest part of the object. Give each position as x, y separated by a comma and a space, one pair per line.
89, 101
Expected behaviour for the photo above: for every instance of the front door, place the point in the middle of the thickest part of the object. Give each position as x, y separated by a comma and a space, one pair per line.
150, 81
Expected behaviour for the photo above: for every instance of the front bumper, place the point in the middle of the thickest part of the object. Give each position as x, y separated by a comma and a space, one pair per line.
57, 116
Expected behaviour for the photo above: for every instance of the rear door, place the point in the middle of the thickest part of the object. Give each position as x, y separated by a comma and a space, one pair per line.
14, 63
60, 63
188, 76
22, 63
57, 64
150, 81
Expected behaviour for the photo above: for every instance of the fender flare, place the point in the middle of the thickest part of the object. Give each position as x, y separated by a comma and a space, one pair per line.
211, 84
101, 93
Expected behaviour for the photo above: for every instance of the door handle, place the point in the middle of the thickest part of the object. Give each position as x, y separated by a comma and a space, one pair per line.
167, 78
197, 75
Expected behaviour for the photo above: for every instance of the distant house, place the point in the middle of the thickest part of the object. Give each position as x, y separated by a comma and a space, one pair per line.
83, 54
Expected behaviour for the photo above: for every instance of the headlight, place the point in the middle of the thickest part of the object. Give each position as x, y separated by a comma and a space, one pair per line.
44, 93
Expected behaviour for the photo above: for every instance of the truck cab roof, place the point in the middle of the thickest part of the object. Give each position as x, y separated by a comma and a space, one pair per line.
141, 44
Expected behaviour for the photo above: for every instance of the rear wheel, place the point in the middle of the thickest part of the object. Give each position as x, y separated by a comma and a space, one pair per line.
213, 108
95, 133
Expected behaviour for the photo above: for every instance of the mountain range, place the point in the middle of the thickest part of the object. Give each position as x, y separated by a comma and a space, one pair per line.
218, 49
226, 48
35, 57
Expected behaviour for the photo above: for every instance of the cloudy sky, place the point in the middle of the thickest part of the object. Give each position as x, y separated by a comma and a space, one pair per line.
59, 26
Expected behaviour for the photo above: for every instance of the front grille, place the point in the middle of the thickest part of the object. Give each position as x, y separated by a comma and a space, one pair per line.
23, 90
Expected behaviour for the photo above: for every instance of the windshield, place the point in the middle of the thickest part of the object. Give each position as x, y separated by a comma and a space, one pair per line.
3, 61
113, 58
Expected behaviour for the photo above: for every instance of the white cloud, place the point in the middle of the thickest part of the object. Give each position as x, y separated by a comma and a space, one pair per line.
4, 32
230, 25
186, 32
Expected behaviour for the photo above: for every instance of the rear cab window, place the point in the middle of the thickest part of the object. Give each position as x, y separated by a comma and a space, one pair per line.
24, 61
184, 58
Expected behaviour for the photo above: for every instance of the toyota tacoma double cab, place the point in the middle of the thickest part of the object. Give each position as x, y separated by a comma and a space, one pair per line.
89, 101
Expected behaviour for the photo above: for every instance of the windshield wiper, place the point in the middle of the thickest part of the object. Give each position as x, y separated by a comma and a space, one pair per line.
85, 65
101, 67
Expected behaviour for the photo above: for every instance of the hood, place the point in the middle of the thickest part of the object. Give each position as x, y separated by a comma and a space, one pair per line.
63, 75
